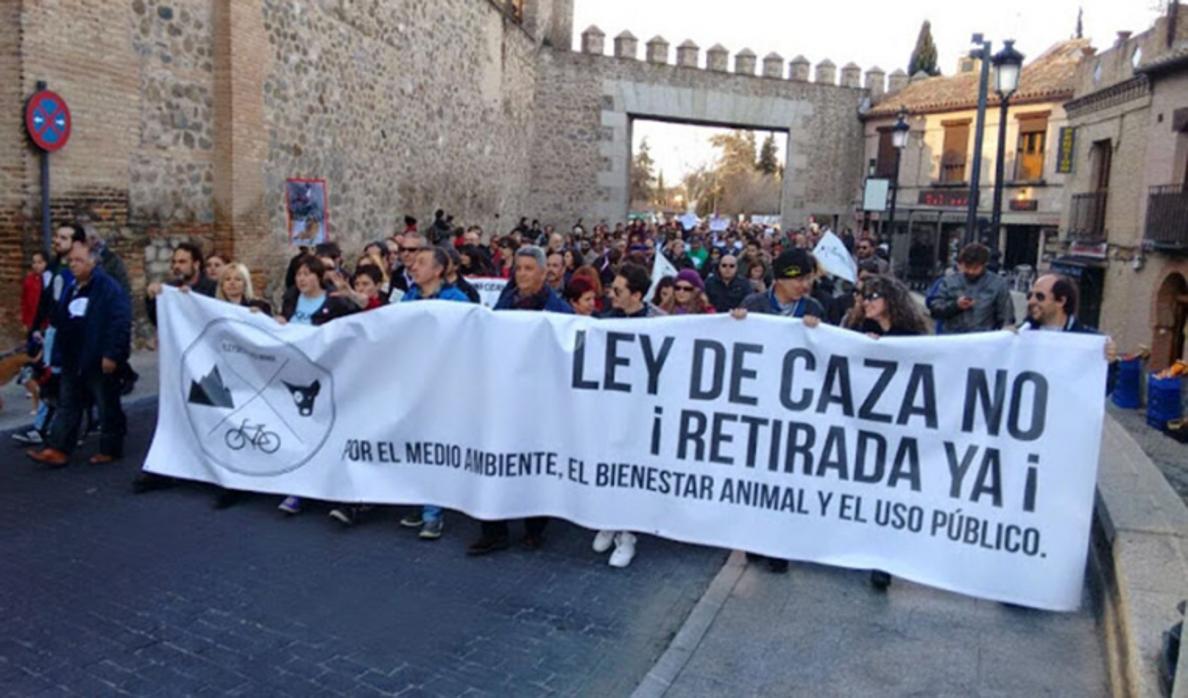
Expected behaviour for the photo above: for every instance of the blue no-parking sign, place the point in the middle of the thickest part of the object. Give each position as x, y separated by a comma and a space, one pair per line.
47, 119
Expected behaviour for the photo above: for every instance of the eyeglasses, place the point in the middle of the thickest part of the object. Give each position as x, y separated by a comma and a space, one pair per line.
728, 266
410, 249
1038, 295
683, 288
871, 296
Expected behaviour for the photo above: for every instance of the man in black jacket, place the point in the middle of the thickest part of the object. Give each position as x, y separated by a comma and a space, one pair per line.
94, 321
725, 288
60, 279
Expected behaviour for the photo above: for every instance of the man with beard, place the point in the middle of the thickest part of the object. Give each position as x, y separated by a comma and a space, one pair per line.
974, 300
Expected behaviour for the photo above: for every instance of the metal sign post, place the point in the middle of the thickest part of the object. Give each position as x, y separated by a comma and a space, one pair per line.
47, 119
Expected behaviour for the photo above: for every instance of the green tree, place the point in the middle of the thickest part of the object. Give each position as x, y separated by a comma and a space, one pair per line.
643, 176
924, 55
768, 164
661, 193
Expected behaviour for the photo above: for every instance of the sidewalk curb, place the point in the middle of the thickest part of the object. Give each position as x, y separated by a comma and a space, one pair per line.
670, 664
1144, 539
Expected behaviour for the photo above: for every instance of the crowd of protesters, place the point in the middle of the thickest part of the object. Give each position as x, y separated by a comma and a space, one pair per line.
77, 311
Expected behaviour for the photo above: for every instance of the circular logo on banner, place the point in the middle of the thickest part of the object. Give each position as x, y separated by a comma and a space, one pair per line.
257, 404
47, 118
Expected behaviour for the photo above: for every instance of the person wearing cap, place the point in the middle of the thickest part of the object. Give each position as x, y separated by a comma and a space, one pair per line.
688, 296
789, 295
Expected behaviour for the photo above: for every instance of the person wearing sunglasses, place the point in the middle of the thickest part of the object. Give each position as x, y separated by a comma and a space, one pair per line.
688, 297
400, 280
1052, 307
628, 289
886, 308
725, 288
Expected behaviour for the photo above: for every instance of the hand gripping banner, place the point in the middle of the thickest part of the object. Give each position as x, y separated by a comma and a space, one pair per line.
966, 463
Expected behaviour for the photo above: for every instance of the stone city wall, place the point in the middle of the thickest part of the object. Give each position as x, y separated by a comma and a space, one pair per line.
189, 115
586, 102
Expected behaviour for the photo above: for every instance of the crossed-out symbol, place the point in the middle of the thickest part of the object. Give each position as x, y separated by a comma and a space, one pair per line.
49, 119
259, 392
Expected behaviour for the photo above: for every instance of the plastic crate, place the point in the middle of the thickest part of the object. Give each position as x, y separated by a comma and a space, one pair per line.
1164, 401
1127, 389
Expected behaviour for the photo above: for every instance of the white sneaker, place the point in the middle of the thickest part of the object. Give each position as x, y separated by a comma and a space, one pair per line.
603, 541
624, 550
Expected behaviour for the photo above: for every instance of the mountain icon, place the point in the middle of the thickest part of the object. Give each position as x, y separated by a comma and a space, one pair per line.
210, 391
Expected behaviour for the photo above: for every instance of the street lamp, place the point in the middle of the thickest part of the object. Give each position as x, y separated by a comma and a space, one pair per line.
899, 139
1007, 64
982, 53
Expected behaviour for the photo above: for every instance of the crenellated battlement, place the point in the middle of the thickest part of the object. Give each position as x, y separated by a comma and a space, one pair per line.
746, 63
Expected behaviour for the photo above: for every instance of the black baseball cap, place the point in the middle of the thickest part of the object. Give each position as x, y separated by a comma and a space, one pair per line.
792, 264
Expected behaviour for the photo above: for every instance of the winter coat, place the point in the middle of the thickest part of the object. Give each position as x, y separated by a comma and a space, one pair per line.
992, 309
108, 324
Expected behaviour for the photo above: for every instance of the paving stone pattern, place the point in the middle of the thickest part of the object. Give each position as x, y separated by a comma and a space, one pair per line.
821, 632
103, 593
1169, 455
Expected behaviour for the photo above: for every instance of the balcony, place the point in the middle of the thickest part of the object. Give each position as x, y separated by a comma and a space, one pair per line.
1086, 221
1167, 218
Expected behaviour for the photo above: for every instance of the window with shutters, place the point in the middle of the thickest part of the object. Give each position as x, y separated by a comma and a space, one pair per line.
956, 147
885, 165
1029, 154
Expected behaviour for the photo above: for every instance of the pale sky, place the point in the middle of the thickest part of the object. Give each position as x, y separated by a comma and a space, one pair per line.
867, 32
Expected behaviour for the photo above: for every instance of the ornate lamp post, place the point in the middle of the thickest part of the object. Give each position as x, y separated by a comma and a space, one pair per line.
1007, 64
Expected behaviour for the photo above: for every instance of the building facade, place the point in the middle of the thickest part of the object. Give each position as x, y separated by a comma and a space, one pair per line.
935, 167
1124, 230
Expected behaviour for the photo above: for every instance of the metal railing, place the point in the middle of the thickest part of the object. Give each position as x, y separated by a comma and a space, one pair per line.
1086, 221
1167, 217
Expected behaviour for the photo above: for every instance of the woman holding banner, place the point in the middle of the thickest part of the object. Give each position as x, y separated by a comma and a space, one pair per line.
886, 308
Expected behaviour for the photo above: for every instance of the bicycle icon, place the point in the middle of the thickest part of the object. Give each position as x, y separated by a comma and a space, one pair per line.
253, 435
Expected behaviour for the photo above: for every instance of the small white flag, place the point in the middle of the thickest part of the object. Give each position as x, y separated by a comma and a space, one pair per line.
661, 268
834, 258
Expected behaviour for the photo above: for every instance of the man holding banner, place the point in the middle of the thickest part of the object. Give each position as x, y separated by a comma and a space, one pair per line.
529, 293
789, 292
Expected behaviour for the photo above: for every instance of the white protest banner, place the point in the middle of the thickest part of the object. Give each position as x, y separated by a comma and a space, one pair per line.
718, 224
832, 255
965, 462
489, 288
661, 268
689, 221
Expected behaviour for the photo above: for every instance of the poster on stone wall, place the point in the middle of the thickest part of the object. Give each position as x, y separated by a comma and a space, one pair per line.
306, 211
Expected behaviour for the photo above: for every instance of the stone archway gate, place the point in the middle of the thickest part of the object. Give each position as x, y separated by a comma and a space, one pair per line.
585, 102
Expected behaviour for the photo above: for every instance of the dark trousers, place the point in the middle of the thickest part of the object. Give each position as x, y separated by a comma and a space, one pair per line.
74, 396
533, 526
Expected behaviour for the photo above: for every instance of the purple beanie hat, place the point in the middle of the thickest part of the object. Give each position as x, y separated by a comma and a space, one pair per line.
691, 277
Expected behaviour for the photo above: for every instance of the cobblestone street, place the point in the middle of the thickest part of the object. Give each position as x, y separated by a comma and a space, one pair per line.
103, 591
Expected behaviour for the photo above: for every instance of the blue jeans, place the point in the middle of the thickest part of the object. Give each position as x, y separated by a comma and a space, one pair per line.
430, 513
